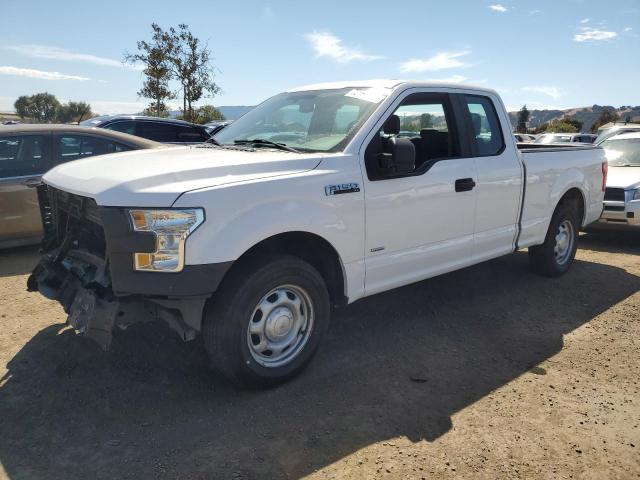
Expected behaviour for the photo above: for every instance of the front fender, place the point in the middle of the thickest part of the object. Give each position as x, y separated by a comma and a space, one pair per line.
242, 215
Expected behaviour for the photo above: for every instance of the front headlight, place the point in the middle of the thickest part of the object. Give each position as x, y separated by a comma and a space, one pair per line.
171, 228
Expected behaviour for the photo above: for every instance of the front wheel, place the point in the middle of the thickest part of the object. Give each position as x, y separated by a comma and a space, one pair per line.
556, 254
266, 321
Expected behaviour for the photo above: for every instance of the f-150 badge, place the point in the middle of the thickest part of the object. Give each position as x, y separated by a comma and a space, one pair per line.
342, 188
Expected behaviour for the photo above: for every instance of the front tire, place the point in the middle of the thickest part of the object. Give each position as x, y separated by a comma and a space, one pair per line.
266, 321
554, 257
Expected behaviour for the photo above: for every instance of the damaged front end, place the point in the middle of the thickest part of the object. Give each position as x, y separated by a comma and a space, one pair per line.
87, 267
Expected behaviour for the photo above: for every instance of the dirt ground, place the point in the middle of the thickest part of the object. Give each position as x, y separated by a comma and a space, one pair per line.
489, 372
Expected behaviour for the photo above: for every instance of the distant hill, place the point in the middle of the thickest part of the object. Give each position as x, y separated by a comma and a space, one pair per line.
587, 115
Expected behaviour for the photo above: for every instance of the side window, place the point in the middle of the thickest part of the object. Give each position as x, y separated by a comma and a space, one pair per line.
74, 147
190, 134
160, 132
125, 126
487, 133
21, 155
426, 120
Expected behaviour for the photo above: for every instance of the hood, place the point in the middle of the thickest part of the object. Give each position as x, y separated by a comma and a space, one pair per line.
156, 178
623, 177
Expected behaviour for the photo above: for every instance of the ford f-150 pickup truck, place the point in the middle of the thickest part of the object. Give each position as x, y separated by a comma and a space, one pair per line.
316, 198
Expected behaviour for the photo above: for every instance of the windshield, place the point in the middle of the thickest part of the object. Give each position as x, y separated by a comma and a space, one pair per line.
622, 153
311, 121
553, 139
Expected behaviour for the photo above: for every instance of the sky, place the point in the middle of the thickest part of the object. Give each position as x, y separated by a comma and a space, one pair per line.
542, 53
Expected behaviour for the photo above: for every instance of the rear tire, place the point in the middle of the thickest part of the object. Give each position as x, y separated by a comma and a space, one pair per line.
266, 321
554, 257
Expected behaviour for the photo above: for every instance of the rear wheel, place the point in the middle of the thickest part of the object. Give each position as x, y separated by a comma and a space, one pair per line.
556, 254
266, 321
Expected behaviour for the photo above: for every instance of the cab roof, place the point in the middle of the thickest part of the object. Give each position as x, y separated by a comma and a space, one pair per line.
388, 84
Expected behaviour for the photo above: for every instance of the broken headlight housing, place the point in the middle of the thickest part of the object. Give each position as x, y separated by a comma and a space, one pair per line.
171, 229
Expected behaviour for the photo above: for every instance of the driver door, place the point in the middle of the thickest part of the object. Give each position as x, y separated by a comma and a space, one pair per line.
418, 224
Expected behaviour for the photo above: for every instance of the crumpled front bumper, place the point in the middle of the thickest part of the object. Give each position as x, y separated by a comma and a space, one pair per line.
92, 311
83, 290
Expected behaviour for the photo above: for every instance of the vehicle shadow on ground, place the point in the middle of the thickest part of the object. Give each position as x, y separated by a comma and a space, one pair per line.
18, 260
397, 364
603, 241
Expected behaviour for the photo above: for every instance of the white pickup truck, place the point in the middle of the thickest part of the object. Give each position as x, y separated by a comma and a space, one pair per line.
317, 197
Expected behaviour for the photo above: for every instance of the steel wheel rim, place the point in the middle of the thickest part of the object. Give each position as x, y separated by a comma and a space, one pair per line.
565, 237
280, 326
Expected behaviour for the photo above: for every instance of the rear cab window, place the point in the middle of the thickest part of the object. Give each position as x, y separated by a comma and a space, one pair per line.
486, 132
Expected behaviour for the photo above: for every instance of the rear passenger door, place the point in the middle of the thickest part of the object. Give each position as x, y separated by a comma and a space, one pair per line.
499, 176
421, 223
23, 160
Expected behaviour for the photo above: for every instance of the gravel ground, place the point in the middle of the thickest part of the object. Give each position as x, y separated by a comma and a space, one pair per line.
489, 372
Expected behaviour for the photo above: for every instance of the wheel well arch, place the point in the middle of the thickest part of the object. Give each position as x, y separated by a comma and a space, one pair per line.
309, 247
576, 199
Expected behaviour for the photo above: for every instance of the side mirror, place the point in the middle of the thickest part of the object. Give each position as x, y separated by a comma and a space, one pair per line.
401, 158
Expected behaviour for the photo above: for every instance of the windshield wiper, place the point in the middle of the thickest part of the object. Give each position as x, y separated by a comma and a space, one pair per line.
266, 143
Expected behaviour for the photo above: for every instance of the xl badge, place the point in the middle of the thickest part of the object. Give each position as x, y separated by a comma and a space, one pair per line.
342, 188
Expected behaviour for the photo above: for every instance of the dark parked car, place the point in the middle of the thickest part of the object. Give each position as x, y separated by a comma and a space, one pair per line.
214, 127
163, 130
27, 152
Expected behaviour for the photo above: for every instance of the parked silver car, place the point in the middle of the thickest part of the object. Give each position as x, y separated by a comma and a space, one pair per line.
566, 138
27, 152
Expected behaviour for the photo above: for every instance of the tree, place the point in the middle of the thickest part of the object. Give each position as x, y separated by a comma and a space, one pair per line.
561, 126
192, 67
426, 120
606, 116
523, 119
207, 113
156, 57
22, 105
41, 107
73, 112
152, 110
575, 122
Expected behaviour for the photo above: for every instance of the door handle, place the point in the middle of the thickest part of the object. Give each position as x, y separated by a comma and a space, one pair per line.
32, 182
465, 184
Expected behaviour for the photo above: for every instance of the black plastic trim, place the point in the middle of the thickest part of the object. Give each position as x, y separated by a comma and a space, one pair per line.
122, 243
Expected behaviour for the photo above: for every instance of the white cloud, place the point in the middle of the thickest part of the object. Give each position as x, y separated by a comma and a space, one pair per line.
593, 34
585, 20
57, 53
328, 45
451, 79
440, 61
627, 29
39, 74
498, 8
553, 92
